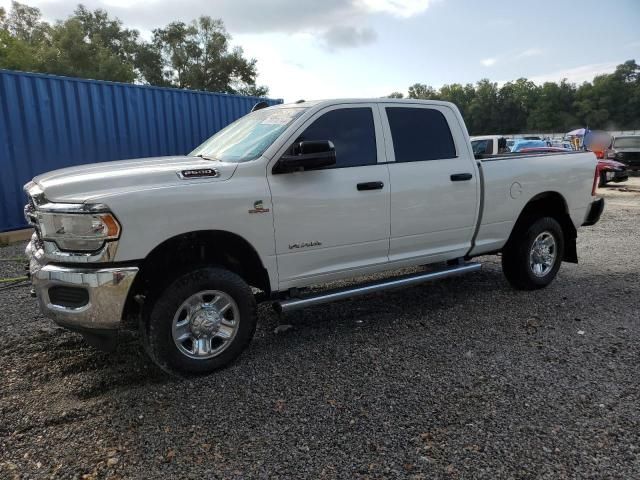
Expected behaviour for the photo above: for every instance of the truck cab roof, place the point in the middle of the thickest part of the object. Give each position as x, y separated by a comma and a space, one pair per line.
337, 101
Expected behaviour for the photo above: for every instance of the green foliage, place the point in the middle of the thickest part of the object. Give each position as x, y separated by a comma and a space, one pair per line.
609, 102
74, 53
198, 56
90, 44
422, 91
14, 54
24, 23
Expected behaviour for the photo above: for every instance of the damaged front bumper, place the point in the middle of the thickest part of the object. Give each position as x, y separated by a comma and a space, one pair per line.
87, 300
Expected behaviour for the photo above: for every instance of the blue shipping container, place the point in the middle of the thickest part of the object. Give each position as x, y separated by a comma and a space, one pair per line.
49, 122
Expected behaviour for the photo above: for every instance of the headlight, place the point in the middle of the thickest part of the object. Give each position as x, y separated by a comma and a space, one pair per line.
78, 231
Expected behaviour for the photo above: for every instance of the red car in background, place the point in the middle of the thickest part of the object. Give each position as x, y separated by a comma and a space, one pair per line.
608, 170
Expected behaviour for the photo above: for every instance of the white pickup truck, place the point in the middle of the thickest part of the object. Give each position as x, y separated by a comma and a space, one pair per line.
284, 198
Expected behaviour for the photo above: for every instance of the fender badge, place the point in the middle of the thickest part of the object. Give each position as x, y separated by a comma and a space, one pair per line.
314, 243
198, 173
258, 207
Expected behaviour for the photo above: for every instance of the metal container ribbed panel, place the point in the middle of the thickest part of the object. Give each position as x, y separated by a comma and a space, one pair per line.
49, 122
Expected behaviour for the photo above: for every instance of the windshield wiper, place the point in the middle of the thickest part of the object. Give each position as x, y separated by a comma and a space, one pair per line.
204, 157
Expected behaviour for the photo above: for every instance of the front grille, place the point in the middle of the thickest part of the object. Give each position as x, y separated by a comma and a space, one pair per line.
68, 297
633, 157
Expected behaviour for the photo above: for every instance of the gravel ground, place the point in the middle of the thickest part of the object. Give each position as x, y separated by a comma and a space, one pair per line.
464, 378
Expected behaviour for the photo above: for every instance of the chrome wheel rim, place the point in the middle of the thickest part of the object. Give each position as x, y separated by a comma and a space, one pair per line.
542, 256
205, 324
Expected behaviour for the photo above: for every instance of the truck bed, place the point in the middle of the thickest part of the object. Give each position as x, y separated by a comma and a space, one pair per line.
507, 186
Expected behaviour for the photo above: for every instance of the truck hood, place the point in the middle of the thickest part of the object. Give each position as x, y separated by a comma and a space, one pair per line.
86, 182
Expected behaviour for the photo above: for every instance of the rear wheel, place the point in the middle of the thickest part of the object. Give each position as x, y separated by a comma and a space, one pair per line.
532, 258
201, 322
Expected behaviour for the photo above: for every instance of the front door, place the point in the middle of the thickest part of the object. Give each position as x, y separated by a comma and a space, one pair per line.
336, 219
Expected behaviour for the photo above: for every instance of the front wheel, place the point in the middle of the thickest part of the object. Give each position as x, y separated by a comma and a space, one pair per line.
532, 258
201, 322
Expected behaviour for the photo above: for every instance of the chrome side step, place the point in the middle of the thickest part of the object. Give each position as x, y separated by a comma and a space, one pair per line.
283, 306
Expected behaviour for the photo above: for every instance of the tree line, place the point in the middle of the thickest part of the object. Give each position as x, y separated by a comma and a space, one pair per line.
609, 102
91, 44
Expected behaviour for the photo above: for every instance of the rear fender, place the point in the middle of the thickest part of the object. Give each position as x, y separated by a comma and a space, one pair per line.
549, 204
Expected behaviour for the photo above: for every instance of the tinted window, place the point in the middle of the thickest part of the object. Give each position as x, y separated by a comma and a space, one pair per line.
420, 134
352, 132
482, 147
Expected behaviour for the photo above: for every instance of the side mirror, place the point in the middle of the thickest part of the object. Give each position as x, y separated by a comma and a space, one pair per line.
308, 155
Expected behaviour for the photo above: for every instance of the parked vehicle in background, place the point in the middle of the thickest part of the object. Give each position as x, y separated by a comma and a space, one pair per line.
489, 145
626, 149
597, 141
545, 150
598, 150
286, 198
607, 170
566, 144
611, 171
519, 145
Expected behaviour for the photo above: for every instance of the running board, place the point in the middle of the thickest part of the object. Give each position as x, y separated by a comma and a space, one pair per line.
284, 306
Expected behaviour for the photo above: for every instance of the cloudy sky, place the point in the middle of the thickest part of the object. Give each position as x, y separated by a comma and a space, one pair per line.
357, 48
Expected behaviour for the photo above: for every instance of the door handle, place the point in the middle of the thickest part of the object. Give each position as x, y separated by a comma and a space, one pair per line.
461, 177
370, 186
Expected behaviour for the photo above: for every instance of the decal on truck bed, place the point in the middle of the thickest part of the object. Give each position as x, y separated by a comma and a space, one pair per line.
258, 207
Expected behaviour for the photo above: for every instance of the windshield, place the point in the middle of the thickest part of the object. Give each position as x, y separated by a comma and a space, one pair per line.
627, 142
248, 137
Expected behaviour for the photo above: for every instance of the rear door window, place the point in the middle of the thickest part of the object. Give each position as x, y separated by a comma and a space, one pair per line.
420, 134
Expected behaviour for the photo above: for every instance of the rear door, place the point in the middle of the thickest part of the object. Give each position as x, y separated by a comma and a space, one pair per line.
434, 186
334, 220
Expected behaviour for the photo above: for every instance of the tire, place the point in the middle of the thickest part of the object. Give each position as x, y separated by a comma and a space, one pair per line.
603, 180
201, 322
526, 269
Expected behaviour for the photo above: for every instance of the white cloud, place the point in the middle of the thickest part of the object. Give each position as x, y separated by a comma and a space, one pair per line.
583, 73
293, 74
398, 8
348, 37
246, 16
529, 52
335, 23
511, 56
